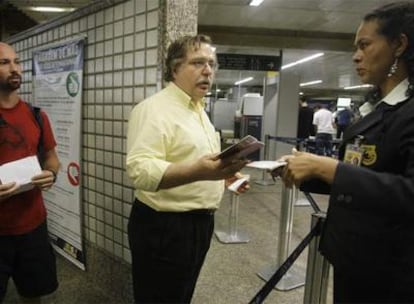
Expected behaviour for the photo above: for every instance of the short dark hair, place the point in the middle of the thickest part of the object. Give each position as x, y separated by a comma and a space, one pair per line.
177, 51
393, 20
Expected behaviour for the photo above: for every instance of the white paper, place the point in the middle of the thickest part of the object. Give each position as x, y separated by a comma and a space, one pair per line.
238, 182
267, 164
20, 171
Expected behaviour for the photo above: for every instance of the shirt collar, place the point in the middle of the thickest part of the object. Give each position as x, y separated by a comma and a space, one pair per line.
184, 97
393, 98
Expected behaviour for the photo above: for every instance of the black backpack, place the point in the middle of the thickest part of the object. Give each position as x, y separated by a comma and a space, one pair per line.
39, 120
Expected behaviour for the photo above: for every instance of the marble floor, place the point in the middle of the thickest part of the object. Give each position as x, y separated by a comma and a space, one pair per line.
230, 273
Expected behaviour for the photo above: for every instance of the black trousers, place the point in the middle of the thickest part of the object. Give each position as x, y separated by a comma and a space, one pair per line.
323, 144
30, 260
168, 251
340, 129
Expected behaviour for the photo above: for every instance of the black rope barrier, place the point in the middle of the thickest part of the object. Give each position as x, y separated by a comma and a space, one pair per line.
312, 202
281, 271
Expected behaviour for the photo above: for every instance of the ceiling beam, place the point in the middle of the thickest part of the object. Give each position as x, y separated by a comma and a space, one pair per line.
278, 38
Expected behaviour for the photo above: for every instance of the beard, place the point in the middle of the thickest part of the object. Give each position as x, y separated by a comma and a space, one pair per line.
12, 83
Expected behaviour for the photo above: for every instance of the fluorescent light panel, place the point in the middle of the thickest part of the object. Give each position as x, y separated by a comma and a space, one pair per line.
50, 9
309, 58
255, 2
358, 87
304, 84
243, 80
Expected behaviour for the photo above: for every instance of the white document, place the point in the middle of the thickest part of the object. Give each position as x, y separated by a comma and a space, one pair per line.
20, 171
267, 164
238, 182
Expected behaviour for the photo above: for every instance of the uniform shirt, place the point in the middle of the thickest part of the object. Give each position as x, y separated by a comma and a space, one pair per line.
166, 128
19, 136
394, 97
323, 120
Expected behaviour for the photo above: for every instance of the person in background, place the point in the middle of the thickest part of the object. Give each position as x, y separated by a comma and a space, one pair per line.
172, 161
343, 119
368, 235
25, 253
322, 120
305, 120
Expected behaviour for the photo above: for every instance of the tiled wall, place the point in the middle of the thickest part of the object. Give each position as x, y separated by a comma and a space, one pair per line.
121, 68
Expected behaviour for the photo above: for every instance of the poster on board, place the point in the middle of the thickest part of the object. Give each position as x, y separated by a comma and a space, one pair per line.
57, 89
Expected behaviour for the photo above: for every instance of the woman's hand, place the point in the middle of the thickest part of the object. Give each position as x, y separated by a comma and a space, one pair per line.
302, 166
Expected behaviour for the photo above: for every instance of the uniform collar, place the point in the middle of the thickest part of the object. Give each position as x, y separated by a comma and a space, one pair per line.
393, 98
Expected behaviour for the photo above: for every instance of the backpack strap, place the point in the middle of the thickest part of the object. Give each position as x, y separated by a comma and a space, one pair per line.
38, 117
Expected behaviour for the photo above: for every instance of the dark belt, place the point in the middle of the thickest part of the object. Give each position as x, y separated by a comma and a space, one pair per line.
144, 206
201, 211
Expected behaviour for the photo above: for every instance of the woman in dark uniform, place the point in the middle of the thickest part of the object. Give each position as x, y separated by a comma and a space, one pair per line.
368, 235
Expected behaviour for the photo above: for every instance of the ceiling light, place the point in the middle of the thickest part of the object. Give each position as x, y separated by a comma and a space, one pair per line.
302, 60
358, 87
304, 84
255, 2
50, 9
243, 80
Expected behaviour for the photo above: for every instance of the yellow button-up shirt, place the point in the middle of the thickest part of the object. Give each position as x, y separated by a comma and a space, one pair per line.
166, 128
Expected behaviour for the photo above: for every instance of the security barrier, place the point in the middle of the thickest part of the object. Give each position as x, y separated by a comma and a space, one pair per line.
317, 270
294, 277
233, 235
265, 181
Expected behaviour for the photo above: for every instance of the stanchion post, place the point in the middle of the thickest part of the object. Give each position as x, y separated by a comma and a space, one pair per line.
265, 181
293, 278
266, 148
233, 235
317, 269
299, 201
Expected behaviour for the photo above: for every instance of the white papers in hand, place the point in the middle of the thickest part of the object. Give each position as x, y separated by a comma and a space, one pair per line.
238, 182
267, 164
20, 171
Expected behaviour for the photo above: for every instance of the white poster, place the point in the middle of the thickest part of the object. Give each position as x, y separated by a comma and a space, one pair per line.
57, 89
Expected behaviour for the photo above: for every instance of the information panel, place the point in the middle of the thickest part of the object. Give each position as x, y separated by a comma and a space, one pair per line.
248, 62
57, 89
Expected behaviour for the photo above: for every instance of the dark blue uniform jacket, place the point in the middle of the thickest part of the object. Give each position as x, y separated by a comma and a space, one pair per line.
370, 218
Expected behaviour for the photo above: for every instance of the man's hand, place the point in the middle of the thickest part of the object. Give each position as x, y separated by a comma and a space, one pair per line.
207, 167
7, 190
44, 180
245, 186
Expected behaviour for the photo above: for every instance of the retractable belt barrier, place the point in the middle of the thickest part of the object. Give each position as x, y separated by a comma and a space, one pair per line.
267, 288
265, 181
288, 140
317, 266
304, 144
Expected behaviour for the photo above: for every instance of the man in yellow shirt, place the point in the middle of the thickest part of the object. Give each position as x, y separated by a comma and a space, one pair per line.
179, 180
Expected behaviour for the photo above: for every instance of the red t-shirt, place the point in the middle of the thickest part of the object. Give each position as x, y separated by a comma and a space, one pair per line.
19, 136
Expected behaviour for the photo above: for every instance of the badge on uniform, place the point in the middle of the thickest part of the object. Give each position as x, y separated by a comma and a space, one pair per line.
353, 154
370, 155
